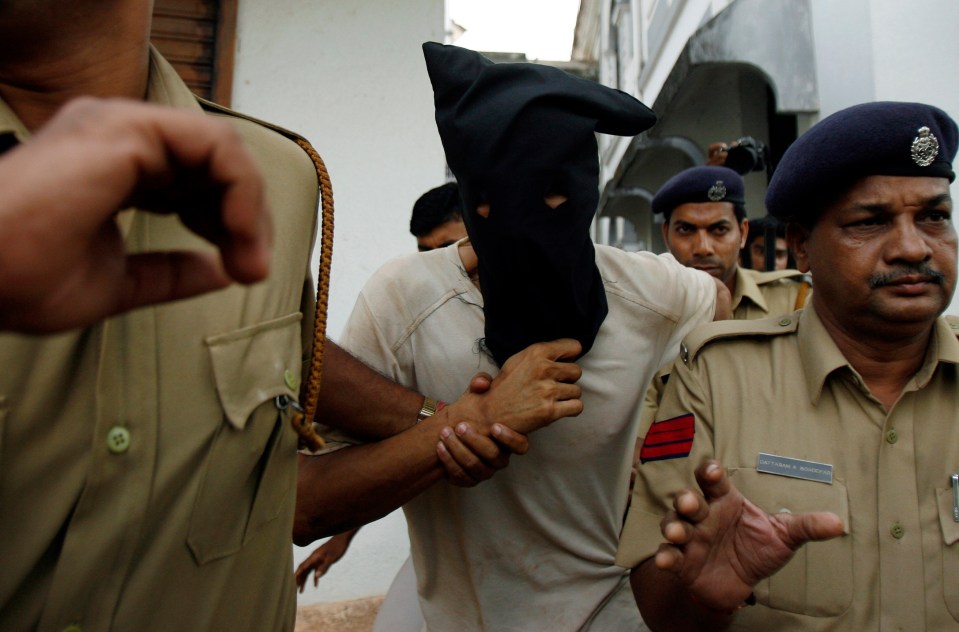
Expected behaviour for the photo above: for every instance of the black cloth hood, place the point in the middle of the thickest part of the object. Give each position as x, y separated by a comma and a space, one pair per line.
514, 133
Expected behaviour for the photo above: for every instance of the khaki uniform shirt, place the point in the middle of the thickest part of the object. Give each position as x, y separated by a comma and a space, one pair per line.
762, 294
147, 481
758, 295
780, 386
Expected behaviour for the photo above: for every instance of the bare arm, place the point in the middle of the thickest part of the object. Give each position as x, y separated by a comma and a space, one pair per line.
356, 485
361, 401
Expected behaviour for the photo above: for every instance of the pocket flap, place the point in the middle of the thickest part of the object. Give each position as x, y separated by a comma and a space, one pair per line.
256, 364
779, 494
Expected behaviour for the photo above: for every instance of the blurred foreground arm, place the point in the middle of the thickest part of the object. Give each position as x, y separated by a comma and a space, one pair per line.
62, 259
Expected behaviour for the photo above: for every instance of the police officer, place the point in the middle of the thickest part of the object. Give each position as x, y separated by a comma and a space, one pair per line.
705, 227
839, 423
147, 473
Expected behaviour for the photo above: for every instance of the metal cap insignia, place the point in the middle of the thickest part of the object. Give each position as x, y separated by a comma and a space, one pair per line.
925, 147
718, 191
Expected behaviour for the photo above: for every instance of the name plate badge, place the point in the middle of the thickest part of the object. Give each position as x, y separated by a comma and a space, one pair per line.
794, 468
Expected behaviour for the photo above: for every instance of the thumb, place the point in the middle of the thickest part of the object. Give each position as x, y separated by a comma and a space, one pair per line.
809, 527
480, 383
563, 348
157, 277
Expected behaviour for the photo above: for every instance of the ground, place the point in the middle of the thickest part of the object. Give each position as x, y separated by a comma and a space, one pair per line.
342, 616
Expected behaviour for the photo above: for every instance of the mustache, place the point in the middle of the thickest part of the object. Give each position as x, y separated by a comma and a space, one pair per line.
707, 261
921, 269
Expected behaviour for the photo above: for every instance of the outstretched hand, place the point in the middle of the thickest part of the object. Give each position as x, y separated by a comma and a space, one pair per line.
720, 545
62, 257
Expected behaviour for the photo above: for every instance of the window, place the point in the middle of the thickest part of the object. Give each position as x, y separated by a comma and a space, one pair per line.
198, 37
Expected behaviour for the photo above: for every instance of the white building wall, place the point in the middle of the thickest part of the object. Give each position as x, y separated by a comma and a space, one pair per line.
350, 77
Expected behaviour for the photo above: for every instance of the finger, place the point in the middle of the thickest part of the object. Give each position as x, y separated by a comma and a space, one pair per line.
164, 276
668, 558
480, 383
691, 506
713, 480
515, 442
563, 348
813, 526
567, 408
569, 372
472, 463
321, 569
487, 450
563, 391
677, 532
454, 473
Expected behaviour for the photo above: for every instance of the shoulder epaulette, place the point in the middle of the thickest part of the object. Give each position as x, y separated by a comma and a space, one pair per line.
729, 329
953, 324
210, 106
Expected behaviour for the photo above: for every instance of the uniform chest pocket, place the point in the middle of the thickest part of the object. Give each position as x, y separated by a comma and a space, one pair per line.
950, 551
250, 468
818, 580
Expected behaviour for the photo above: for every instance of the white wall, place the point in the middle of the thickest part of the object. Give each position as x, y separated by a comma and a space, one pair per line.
350, 77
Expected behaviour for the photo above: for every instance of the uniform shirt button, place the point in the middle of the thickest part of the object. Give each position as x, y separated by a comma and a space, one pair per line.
892, 436
784, 321
118, 440
897, 531
289, 378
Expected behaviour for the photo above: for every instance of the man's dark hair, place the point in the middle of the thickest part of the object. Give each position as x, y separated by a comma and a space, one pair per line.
435, 208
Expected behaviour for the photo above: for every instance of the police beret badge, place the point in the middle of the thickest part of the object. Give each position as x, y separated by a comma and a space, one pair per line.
925, 147
717, 192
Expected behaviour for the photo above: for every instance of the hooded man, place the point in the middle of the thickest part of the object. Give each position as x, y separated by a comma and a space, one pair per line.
531, 549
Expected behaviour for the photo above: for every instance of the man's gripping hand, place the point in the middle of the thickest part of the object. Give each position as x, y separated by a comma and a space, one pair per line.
535, 387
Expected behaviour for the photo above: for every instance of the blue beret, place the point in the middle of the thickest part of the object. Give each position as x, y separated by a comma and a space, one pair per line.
871, 139
698, 185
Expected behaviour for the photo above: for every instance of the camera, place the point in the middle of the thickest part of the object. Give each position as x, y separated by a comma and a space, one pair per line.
747, 154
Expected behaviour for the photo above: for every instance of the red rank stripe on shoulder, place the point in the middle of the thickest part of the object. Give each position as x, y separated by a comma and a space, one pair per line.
669, 439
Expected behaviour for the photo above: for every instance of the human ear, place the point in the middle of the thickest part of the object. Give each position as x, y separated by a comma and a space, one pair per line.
796, 238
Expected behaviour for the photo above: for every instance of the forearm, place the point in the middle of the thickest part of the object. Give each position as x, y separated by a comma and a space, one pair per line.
361, 401
353, 486
665, 604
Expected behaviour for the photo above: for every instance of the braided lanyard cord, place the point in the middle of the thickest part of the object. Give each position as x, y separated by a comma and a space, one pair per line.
310, 390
